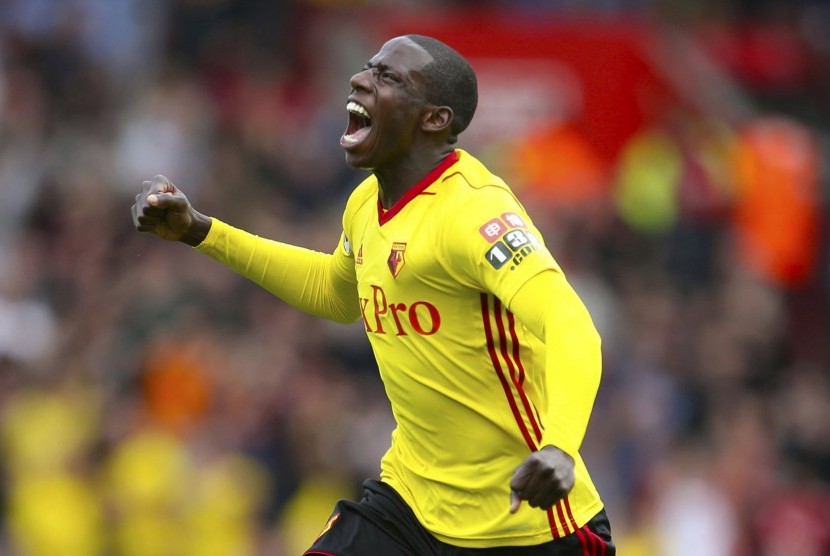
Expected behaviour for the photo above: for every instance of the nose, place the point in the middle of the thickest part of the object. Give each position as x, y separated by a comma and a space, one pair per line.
360, 81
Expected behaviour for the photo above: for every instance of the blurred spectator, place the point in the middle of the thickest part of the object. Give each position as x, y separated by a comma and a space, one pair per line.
699, 245
777, 209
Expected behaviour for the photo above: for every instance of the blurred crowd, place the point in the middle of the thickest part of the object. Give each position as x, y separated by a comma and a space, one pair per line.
154, 403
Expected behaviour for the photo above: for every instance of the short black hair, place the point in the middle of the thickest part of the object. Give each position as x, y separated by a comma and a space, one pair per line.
450, 81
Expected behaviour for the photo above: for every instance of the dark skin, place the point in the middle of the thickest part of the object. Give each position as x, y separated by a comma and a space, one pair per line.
407, 138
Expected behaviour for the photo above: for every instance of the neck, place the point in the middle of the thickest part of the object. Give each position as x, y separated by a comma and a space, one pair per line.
395, 181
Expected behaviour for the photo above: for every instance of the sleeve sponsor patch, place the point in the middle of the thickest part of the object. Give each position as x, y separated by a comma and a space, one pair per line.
513, 247
515, 239
493, 229
498, 255
513, 220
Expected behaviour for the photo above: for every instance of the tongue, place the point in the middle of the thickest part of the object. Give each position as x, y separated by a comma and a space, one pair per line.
354, 137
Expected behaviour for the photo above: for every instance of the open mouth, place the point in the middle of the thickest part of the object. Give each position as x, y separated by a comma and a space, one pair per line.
359, 124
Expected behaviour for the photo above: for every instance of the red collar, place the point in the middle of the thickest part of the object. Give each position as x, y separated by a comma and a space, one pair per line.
386, 215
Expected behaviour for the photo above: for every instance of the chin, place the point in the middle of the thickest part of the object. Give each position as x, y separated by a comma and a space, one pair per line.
355, 161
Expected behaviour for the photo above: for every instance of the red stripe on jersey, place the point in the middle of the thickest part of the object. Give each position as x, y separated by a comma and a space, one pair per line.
532, 414
508, 392
552, 521
529, 409
567, 502
494, 357
511, 321
588, 546
561, 515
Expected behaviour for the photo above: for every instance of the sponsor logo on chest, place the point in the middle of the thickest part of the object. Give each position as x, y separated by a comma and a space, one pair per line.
382, 315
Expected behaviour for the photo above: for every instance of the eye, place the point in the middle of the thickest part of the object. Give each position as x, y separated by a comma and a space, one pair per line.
383, 74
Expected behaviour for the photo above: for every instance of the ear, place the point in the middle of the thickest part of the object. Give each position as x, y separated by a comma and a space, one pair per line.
436, 118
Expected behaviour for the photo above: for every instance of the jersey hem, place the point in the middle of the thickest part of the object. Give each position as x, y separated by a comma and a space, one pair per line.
581, 519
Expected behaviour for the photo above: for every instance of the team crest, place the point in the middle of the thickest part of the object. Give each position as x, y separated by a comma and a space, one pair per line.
396, 259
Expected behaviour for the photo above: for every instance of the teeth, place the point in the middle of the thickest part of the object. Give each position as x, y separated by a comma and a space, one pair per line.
355, 108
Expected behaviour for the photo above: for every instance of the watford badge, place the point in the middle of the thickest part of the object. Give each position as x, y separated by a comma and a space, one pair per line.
396, 259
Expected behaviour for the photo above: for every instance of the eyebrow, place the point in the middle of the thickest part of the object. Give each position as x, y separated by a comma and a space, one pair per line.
405, 77
378, 65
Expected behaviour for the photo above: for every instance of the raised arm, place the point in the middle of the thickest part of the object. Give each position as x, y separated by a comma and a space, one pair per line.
314, 282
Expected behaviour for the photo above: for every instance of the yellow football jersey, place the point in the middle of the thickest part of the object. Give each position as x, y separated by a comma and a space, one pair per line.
435, 275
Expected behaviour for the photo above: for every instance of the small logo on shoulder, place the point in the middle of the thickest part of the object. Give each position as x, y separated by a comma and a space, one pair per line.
492, 229
510, 238
498, 255
513, 220
516, 239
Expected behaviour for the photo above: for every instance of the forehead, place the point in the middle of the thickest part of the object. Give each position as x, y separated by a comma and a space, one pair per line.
403, 54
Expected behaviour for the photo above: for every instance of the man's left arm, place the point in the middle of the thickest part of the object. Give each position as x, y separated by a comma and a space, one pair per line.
572, 373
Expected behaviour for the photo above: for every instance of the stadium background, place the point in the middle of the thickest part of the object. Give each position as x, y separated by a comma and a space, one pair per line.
674, 153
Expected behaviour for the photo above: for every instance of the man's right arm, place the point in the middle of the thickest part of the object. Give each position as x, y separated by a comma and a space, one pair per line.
309, 280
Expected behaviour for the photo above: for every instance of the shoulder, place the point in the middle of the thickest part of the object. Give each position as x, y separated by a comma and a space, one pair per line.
475, 195
470, 181
473, 172
366, 193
